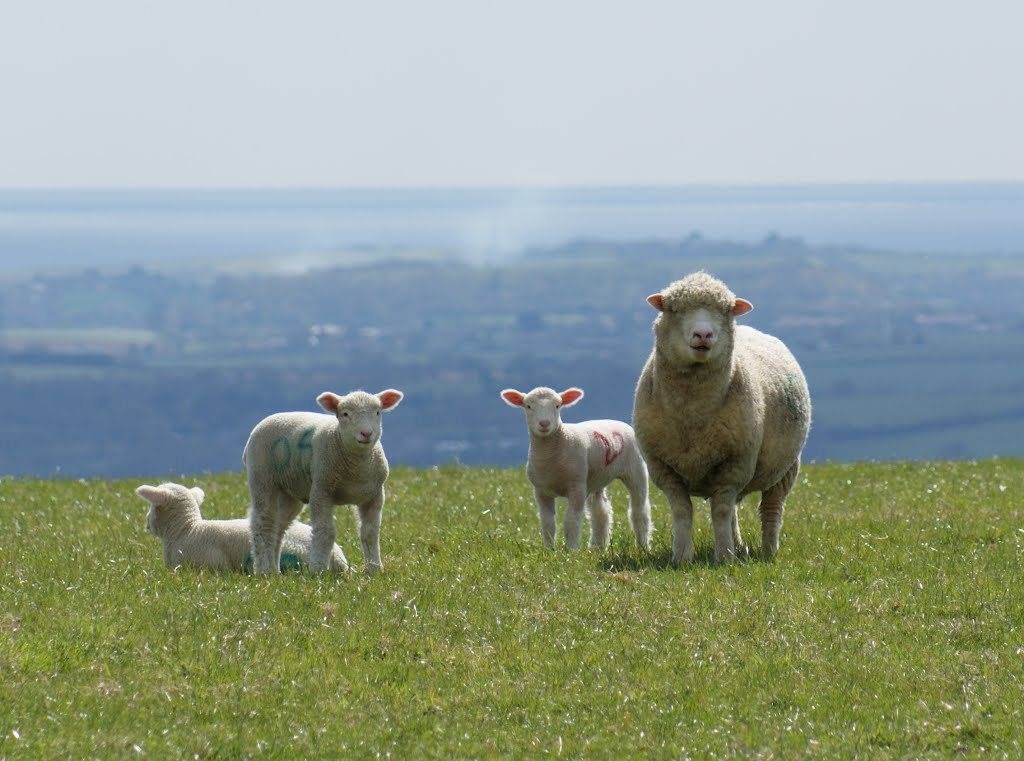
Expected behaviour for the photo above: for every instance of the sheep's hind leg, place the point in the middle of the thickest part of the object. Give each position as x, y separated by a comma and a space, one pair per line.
640, 511
770, 509
267, 534
600, 510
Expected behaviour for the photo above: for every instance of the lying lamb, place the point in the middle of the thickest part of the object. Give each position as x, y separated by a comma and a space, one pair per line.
222, 545
577, 461
720, 411
324, 460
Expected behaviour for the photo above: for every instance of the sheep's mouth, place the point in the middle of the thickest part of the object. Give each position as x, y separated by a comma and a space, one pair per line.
701, 349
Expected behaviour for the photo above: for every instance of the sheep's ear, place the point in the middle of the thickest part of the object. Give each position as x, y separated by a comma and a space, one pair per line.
329, 401
389, 398
198, 493
742, 306
151, 493
655, 300
512, 397
571, 396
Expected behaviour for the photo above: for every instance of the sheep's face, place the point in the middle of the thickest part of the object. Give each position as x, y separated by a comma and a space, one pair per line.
543, 407
170, 505
359, 415
697, 335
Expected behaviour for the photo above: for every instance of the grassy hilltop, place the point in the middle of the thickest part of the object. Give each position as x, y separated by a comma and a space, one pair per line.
891, 625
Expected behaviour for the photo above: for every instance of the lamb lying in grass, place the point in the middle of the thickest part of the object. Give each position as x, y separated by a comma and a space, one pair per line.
219, 545
577, 461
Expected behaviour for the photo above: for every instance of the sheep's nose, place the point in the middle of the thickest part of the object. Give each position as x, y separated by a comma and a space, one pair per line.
545, 424
702, 337
366, 435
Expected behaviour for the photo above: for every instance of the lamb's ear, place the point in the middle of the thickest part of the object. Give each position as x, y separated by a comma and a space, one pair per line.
151, 493
570, 396
655, 300
329, 401
389, 398
198, 493
742, 306
512, 397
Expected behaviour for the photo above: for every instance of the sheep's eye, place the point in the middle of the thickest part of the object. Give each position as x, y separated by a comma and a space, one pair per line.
378, 413
344, 414
529, 407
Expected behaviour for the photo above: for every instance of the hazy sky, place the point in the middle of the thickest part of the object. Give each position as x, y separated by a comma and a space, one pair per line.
219, 93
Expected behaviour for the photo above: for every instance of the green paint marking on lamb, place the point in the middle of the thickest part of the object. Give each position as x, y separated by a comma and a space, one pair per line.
286, 455
289, 562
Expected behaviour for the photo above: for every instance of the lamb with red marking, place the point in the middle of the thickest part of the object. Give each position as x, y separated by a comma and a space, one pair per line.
577, 461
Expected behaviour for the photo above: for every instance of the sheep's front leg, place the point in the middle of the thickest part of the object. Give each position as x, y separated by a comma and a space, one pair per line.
370, 514
600, 519
725, 523
572, 523
546, 511
321, 516
666, 479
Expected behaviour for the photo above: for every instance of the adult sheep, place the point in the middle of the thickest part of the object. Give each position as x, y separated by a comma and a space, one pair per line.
323, 460
720, 411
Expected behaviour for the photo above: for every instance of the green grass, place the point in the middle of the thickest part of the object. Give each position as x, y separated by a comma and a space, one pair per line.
890, 626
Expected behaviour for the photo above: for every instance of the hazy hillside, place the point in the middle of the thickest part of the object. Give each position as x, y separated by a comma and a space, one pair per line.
142, 371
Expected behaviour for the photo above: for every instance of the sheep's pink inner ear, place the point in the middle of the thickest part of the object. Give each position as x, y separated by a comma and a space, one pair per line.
655, 301
328, 401
513, 397
389, 398
571, 396
742, 306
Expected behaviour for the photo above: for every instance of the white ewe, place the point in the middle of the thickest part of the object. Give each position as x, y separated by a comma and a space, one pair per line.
720, 411
219, 545
323, 460
577, 461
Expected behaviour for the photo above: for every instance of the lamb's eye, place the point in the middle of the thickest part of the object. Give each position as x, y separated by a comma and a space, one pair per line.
529, 407
378, 413
344, 414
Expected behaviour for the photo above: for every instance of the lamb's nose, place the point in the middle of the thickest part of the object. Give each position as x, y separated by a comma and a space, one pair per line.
545, 424
367, 435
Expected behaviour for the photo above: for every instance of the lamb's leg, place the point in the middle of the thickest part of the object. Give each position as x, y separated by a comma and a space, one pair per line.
600, 510
678, 497
639, 508
572, 523
726, 526
770, 509
370, 515
737, 537
546, 511
266, 541
321, 518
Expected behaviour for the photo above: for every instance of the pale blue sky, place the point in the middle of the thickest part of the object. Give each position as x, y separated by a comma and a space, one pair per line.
248, 93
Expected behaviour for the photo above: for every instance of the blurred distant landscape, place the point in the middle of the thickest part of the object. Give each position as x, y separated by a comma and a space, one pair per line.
161, 364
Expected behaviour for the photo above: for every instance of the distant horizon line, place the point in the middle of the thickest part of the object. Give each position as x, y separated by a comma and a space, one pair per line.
491, 187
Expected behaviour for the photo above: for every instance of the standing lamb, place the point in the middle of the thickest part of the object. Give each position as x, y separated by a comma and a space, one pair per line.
720, 411
219, 545
577, 461
323, 460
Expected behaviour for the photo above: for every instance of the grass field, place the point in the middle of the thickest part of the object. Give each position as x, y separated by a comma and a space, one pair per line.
891, 625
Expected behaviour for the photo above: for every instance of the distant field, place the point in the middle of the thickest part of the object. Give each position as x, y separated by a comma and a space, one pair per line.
890, 626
